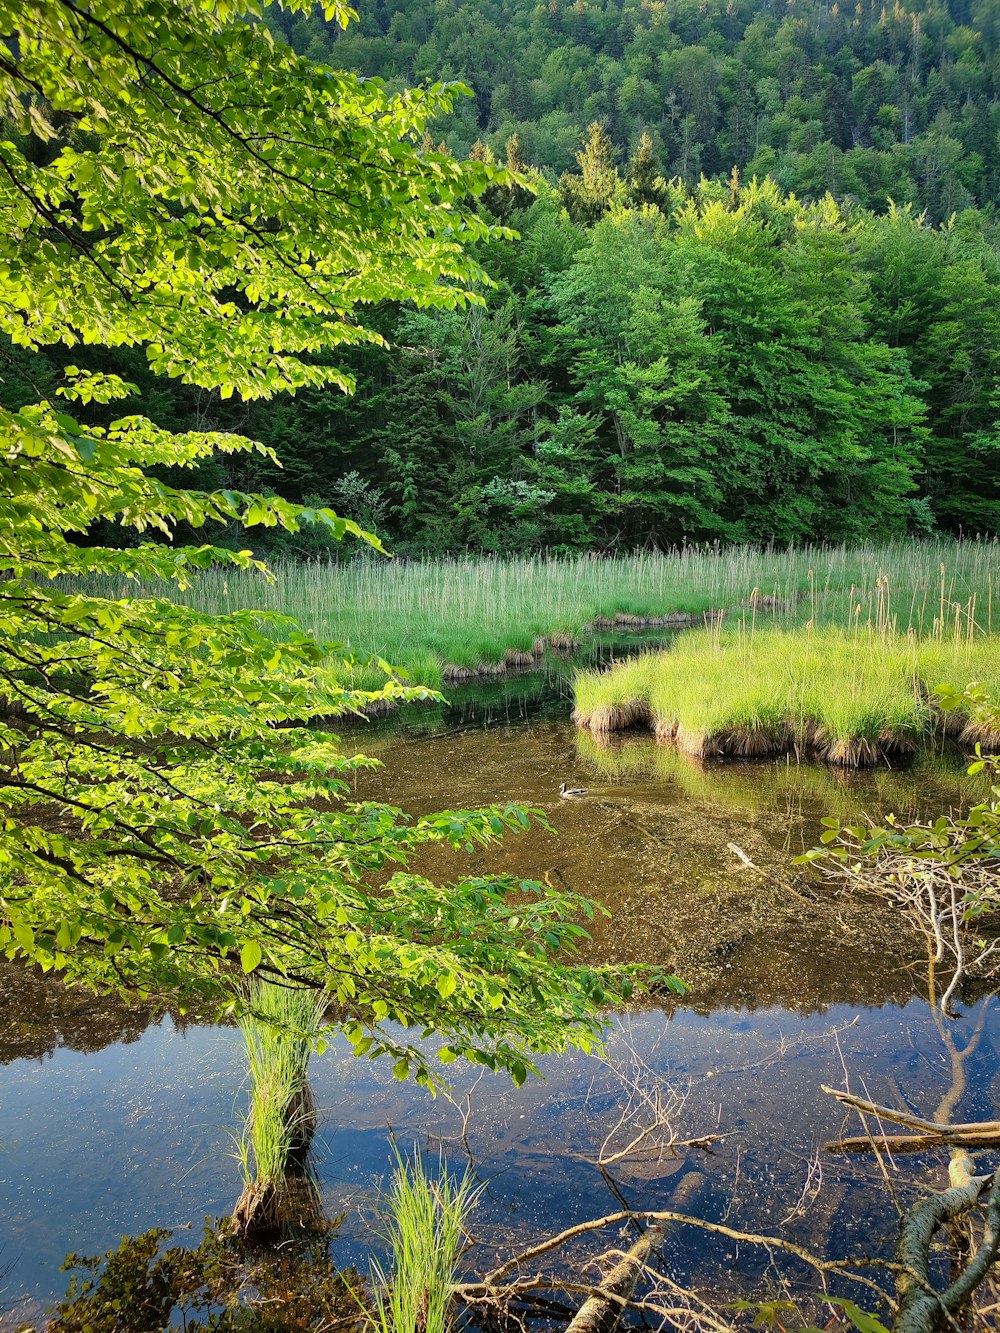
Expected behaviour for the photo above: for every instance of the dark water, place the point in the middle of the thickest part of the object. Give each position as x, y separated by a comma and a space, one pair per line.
112, 1121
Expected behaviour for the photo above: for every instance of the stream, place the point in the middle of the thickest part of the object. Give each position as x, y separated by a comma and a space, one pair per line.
115, 1119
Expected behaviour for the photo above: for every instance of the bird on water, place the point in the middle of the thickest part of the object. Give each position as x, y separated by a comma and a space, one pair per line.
567, 793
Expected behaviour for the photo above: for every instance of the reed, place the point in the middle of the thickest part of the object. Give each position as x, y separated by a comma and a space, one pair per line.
279, 1025
437, 619
425, 1230
853, 697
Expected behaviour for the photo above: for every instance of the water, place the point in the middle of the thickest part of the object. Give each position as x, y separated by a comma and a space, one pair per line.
115, 1120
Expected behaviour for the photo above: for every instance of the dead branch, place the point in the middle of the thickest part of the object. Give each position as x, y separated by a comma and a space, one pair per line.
489, 1286
648, 1115
932, 1133
921, 1309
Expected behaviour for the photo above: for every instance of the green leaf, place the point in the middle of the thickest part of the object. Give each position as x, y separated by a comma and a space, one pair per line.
861, 1319
250, 955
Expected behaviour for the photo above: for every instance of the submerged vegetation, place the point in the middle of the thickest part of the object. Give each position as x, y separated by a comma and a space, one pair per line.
849, 697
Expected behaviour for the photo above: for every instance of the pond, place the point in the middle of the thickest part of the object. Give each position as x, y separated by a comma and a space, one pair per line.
113, 1120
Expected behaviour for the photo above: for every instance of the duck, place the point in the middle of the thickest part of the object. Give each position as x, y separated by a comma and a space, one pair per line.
568, 793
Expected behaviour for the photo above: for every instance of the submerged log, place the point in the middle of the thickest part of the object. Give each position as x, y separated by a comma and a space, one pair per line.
600, 1313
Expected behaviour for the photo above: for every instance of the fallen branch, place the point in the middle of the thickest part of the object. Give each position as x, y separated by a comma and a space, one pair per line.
932, 1133
921, 1309
906, 1143
489, 1286
908, 1118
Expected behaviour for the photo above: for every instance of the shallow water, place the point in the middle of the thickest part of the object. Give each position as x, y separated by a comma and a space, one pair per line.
112, 1121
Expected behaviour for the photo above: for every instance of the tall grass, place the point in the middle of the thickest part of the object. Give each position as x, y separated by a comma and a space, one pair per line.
278, 1025
434, 615
426, 1231
853, 697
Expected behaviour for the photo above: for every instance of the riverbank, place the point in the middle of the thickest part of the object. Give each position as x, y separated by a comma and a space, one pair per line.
851, 698
446, 620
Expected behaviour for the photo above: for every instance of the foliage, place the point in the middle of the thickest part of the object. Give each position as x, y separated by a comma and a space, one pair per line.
870, 101
173, 815
425, 1230
220, 1285
719, 362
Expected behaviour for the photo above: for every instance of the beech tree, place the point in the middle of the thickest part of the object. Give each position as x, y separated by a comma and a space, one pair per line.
173, 180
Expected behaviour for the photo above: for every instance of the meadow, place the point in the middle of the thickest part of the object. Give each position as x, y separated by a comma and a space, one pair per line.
444, 619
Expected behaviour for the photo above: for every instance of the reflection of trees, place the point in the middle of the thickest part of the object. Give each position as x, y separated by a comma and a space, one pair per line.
39, 1014
222, 1285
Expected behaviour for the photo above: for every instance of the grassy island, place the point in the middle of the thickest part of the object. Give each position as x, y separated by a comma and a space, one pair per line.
849, 696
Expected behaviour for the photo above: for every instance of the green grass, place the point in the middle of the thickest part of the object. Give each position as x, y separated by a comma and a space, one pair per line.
851, 696
425, 1228
468, 613
278, 1030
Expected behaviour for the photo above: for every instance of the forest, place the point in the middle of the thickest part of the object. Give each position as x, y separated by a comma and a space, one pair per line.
749, 290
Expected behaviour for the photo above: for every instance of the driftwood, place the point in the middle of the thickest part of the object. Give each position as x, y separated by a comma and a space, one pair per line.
932, 1133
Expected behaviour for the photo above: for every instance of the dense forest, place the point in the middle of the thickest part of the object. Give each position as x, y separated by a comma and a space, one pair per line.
754, 292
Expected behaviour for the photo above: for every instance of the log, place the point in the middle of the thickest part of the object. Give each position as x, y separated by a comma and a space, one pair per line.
600, 1313
904, 1143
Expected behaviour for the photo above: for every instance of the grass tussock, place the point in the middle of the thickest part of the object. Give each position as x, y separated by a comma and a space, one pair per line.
279, 1026
425, 1229
448, 619
854, 698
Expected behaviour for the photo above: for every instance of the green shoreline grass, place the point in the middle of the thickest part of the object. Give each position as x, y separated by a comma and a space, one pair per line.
278, 1030
850, 697
438, 619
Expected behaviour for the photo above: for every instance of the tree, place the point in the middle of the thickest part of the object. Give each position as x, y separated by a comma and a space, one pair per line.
175, 181
589, 194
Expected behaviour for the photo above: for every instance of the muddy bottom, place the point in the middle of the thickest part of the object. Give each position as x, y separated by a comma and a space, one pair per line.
114, 1120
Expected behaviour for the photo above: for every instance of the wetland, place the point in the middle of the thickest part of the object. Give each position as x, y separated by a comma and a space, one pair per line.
116, 1118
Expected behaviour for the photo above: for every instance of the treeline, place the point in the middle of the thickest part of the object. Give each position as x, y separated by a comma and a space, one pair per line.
665, 357
728, 363
865, 100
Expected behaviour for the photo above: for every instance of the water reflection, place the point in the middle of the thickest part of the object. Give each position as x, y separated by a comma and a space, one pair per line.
128, 1120
654, 843
139, 1135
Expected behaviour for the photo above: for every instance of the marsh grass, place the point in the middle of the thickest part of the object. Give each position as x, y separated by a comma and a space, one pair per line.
853, 697
439, 618
279, 1026
425, 1229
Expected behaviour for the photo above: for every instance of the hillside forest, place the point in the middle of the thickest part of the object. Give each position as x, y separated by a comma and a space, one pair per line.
750, 288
